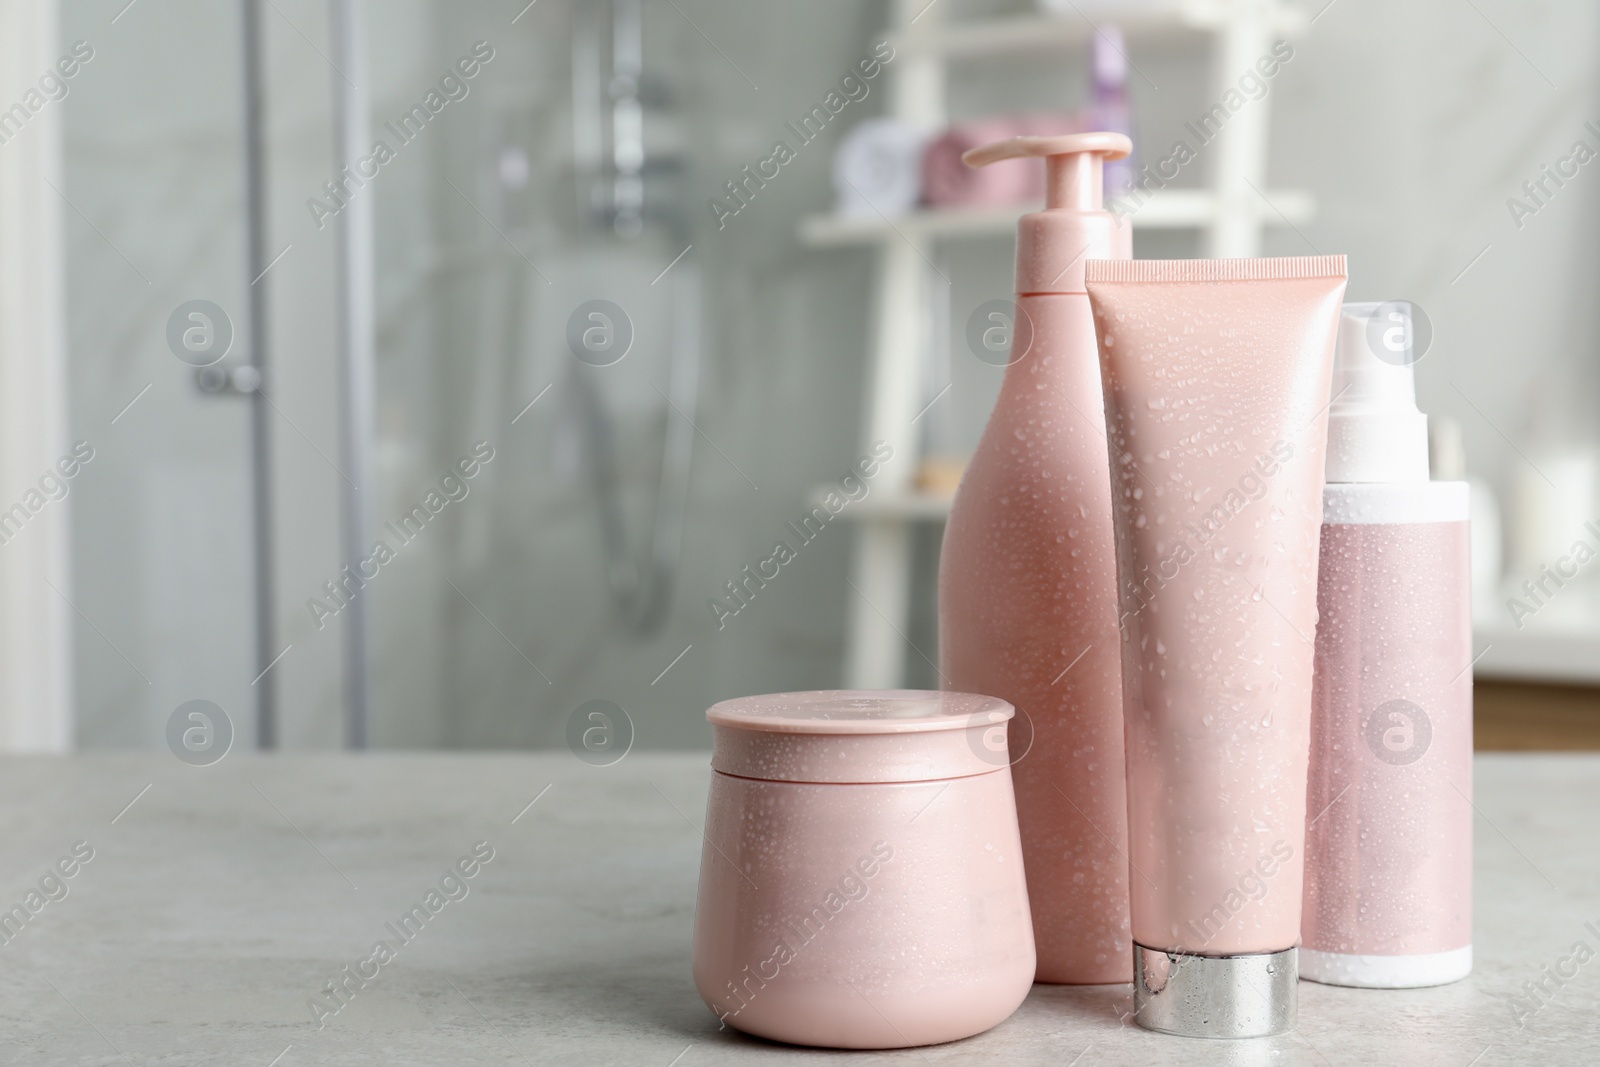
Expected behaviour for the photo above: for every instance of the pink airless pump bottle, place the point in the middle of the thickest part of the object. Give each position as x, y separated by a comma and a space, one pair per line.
1027, 576
1388, 889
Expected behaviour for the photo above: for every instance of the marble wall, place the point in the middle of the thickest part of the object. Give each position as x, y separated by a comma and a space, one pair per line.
1411, 124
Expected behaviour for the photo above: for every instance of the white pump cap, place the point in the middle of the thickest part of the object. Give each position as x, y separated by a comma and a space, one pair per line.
1375, 432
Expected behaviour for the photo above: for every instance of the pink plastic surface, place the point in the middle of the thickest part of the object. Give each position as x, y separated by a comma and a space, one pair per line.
1389, 852
1028, 612
874, 915
894, 735
1216, 378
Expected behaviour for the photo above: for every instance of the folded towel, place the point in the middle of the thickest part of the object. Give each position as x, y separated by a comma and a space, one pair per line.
948, 182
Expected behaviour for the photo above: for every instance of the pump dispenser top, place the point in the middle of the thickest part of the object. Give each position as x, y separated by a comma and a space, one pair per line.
1375, 432
1053, 244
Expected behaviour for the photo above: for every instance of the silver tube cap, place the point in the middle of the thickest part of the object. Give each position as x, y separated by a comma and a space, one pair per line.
1215, 996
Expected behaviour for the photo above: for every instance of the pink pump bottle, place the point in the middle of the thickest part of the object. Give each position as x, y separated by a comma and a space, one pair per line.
1028, 575
1388, 887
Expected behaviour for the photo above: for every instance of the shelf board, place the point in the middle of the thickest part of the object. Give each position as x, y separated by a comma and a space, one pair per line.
1041, 33
1168, 209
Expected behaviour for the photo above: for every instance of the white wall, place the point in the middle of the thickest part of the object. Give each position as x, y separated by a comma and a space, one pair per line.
1415, 123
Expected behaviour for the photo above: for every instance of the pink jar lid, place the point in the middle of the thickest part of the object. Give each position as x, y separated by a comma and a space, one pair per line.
860, 735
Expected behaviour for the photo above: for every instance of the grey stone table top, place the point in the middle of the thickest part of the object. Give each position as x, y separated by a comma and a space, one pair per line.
219, 901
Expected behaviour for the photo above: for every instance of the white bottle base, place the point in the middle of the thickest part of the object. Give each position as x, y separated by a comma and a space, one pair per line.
1385, 972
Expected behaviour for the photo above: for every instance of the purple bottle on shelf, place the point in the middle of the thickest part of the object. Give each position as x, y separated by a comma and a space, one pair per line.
1109, 107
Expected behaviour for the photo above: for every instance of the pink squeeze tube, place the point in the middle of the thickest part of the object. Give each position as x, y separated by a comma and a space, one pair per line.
1388, 894
1216, 378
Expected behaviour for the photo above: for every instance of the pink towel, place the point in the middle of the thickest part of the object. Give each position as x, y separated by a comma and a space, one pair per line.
948, 182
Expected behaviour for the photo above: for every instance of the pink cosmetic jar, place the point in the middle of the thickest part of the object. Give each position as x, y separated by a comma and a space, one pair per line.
861, 883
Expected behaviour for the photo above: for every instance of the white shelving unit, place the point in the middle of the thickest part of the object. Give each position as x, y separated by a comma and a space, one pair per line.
1168, 209
1230, 213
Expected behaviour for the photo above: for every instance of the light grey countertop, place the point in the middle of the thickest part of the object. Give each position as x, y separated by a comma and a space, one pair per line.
225, 897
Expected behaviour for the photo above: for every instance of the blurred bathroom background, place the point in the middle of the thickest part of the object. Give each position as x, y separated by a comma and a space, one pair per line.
736, 359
